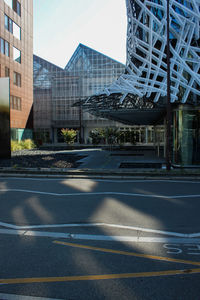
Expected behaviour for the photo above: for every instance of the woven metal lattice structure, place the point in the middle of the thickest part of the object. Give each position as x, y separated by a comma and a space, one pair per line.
146, 50
145, 77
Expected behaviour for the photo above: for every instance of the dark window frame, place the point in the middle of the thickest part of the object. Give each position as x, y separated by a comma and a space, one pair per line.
15, 103
4, 47
17, 79
7, 72
17, 7
10, 25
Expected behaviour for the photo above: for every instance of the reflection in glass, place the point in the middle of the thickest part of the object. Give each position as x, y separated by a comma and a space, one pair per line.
16, 55
2, 46
16, 31
186, 137
7, 49
8, 2
6, 22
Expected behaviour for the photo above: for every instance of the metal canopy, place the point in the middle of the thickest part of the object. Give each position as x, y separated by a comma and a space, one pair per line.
133, 110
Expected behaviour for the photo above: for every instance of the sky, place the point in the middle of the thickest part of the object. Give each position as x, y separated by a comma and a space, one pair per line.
60, 25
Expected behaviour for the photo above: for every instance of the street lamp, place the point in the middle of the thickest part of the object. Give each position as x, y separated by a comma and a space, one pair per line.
168, 133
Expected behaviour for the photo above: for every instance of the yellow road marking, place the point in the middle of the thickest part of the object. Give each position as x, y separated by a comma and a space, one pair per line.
97, 277
181, 261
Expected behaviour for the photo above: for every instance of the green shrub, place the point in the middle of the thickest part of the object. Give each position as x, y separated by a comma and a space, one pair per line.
15, 145
25, 144
28, 144
96, 135
69, 135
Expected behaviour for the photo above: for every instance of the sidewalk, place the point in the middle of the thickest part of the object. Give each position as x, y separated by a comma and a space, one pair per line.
98, 163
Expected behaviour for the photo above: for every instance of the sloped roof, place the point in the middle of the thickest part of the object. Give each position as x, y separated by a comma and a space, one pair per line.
85, 53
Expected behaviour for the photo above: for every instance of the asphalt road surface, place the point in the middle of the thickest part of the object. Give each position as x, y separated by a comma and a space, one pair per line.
88, 239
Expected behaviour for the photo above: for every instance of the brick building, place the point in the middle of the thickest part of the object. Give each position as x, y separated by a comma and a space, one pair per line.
16, 62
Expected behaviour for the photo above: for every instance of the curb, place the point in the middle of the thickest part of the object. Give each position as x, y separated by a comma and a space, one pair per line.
100, 173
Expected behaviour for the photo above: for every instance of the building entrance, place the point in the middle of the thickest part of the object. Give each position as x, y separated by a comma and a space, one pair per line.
186, 136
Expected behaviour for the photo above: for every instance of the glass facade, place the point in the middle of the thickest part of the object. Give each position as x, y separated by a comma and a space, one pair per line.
43, 75
56, 90
186, 135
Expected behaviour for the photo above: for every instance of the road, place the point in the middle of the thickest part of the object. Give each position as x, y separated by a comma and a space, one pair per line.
99, 239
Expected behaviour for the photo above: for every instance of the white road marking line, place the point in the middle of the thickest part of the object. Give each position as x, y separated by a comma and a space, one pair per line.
134, 228
20, 297
165, 240
100, 180
99, 193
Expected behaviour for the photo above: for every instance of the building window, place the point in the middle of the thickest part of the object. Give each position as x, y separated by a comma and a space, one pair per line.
12, 27
8, 2
17, 79
7, 72
16, 55
15, 5
15, 103
4, 47
7, 22
16, 31
7, 49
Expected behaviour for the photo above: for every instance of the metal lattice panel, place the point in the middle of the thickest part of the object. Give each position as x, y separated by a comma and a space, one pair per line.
146, 50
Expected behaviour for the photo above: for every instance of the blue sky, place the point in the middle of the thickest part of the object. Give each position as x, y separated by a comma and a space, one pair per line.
60, 25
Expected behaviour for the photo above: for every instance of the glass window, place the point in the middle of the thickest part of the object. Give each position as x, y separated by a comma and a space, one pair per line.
10, 25
17, 7
2, 46
8, 2
16, 31
16, 55
6, 22
7, 49
19, 107
7, 72
17, 79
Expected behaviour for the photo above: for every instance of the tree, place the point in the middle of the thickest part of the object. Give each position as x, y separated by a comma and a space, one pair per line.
69, 135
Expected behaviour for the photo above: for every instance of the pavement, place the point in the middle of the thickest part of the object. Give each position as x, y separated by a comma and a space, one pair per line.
85, 239
99, 163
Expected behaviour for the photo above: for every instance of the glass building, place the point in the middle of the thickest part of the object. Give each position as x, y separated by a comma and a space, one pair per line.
140, 94
56, 90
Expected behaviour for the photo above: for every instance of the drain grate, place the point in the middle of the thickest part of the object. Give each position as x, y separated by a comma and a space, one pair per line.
140, 165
